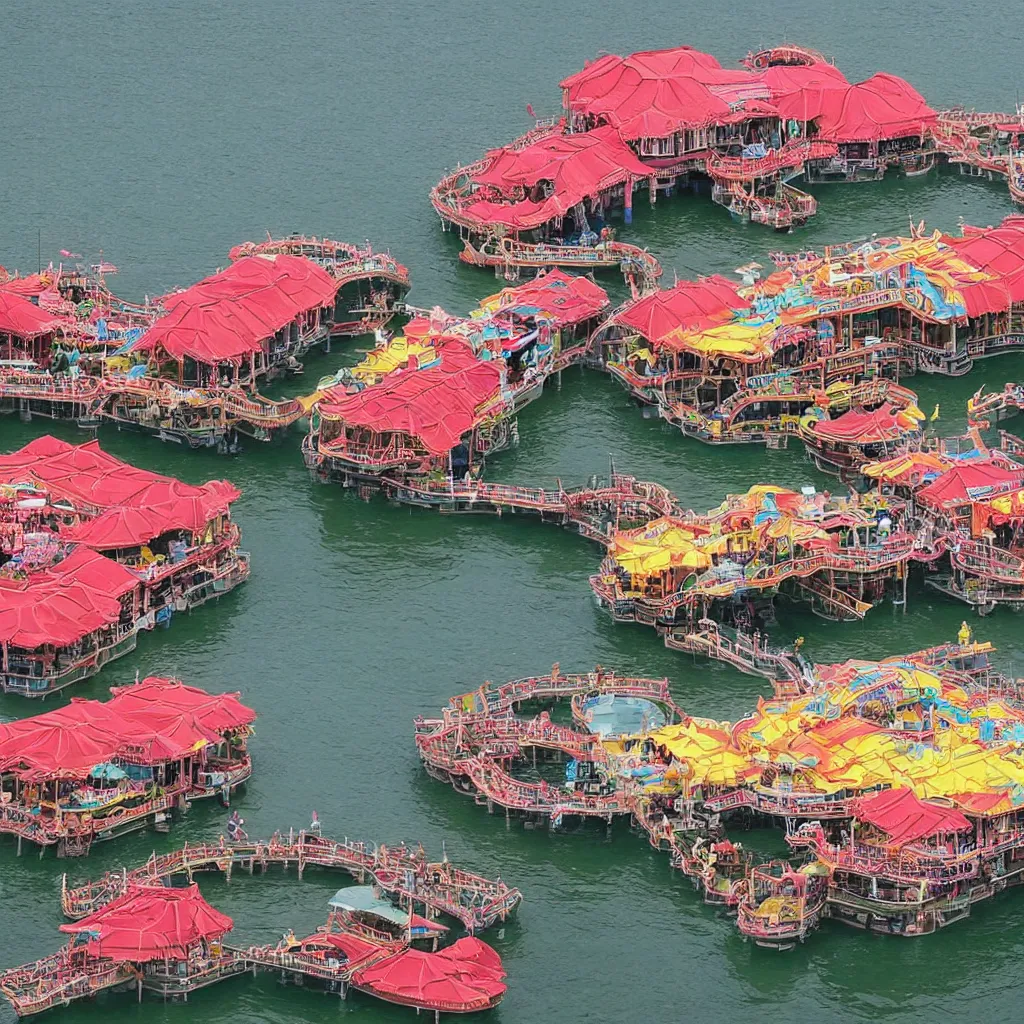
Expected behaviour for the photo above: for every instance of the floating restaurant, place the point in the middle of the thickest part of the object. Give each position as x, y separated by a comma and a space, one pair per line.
92, 771
896, 781
442, 397
93, 550
133, 930
675, 119
743, 362
188, 366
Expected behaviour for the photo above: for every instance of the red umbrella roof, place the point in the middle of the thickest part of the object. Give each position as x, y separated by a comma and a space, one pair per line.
570, 299
65, 602
456, 979
436, 406
958, 483
151, 924
905, 818
1000, 253
218, 712
232, 313
165, 722
689, 305
22, 318
858, 426
578, 166
883, 107
86, 475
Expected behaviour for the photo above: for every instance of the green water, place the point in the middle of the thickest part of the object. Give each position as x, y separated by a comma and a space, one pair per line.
165, 133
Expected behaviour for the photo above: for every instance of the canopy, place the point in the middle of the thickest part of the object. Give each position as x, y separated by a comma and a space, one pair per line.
882, 107
164, 722
576, 166
126, 527
156, 695
909, 468
565, 298
436, 405
65, 602
148, 924
689, 305
662, 544
22, 318
362, 898
905, 818
87, 476
461, 978
226, 317
999, 253
859, 427
969, 481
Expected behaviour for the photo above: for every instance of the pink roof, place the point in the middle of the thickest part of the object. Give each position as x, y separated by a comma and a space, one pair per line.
226, 317
151, 924
883, 107
157, 695
436, 406
460, 978
578, 165
689, 305
956, 484
22, 318
88, 476
570, 299
660, 92
861, 427
31, 285
678, 60
905, 818
156, 727
999, 252
65, 602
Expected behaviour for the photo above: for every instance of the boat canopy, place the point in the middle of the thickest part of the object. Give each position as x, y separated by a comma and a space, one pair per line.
435, 405
905, 818
150, 924
233, 313
163, 722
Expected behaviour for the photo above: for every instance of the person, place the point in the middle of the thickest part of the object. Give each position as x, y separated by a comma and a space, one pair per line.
964, 636
798, 643
235, 831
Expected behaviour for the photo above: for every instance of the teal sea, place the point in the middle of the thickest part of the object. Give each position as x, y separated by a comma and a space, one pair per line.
163, 134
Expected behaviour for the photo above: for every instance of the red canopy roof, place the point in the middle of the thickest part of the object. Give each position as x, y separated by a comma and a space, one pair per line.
883, 107
569, 299
460, 978
151, 924
905, 818
858, 426
231, 314
958, 483
157, 695
436, 406
65, 602
87, 476
689, 305
999, 252
578, 165
22, 318
660, 92
164, 722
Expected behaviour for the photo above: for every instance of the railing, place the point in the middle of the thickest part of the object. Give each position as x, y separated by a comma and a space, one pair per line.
474, 900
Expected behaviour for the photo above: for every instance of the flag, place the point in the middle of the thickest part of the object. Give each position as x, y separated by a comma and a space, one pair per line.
529, 110
935, 413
